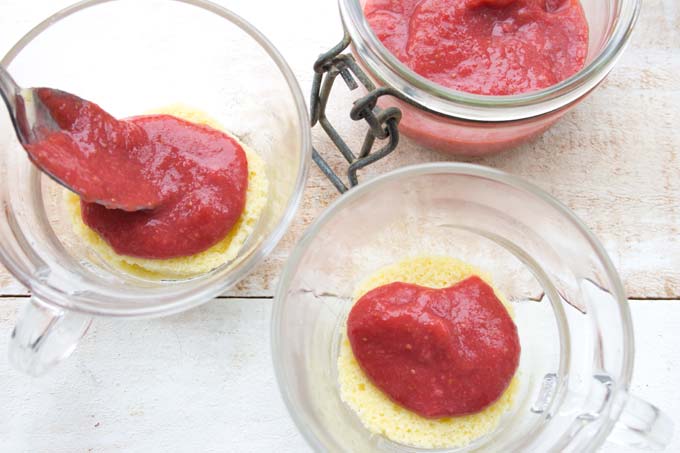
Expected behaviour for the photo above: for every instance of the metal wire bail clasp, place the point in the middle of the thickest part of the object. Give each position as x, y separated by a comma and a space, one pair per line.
383, 123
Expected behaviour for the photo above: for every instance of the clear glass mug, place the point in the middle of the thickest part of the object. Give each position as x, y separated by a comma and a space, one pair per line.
131, 56
467, 124
570, 308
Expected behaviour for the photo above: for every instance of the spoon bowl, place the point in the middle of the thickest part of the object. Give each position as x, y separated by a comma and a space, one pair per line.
46, 121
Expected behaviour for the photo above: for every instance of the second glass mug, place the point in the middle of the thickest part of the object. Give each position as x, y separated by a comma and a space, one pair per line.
571, 312
137, 59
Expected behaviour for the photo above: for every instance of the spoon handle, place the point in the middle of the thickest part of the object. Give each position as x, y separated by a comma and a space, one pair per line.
9, 90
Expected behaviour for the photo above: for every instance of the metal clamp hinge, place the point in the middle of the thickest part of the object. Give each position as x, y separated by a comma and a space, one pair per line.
383, 123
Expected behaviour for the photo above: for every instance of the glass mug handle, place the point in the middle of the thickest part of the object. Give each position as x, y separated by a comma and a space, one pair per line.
44, 335
642, 425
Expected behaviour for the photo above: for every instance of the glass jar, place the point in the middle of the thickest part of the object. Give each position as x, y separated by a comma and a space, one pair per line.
131, 56
468, 124
570, 308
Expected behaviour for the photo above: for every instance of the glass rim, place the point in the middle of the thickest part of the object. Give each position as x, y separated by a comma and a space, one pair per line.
180, 298
450, 168
440, 100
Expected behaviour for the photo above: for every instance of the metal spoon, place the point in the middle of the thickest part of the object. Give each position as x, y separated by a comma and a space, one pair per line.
33, 121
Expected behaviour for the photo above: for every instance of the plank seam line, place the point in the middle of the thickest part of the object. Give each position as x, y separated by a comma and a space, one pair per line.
631, 299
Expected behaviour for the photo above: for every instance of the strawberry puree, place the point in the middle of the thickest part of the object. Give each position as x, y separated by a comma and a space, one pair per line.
191, 178
489, 47
204, 181
437, 352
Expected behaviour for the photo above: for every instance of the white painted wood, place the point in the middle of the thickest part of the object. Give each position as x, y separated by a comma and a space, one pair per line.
203, 381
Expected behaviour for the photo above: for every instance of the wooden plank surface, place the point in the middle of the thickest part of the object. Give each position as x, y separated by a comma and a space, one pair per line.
203, 381
613, 160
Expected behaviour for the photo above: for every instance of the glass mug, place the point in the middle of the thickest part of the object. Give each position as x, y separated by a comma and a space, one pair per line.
140, 55
570, 308
467, 124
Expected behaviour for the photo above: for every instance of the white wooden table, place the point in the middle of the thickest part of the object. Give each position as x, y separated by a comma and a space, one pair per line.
203, 381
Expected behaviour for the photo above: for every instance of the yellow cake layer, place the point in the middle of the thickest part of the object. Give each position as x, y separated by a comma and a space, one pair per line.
222, 252
376, 411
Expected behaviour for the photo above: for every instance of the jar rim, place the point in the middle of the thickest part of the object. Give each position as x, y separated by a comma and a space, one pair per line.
437, 99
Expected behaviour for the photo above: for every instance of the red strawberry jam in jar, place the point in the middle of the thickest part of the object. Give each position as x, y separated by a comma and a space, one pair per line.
476, 77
